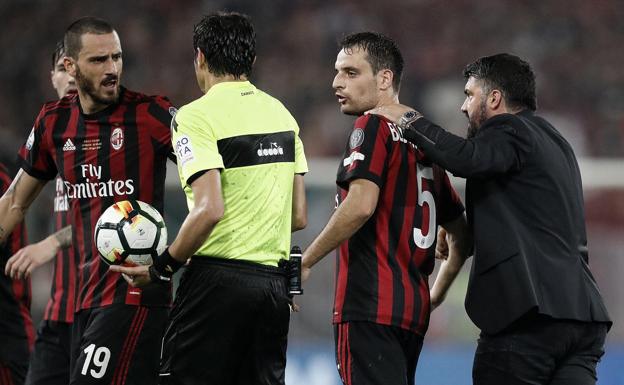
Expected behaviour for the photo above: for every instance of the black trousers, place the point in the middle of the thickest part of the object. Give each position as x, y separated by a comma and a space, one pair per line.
540, 350
228, 326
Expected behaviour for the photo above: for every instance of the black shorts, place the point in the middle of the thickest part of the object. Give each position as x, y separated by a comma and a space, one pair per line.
14, 356
228, 325
117, 344
371, 354
12, 373
49, 361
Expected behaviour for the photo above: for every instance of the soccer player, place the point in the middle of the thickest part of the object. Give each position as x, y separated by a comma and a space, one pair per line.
542, 318
16, 329
241, 162
49, 361
108, 144
390, 201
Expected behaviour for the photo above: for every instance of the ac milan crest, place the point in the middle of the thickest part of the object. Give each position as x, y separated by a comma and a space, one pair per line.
117, 138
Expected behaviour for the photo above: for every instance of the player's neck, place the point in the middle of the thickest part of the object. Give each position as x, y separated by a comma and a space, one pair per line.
211, 80
388, 99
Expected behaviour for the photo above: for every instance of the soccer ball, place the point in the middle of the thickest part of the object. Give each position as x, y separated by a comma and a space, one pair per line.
130, 233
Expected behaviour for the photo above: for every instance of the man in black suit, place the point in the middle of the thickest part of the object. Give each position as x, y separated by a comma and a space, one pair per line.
531, 293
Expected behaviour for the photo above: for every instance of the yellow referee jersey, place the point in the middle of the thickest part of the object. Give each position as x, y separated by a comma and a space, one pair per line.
254, 140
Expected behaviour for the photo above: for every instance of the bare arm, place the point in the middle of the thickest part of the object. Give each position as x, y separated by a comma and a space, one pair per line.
299, 205
195, 229
16, 200
202, 218
453, 246
22, 263
353, 212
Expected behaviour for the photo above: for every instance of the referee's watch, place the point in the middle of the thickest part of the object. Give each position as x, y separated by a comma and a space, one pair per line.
408, 118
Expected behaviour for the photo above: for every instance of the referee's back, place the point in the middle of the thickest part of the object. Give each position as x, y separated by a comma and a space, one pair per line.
254, 141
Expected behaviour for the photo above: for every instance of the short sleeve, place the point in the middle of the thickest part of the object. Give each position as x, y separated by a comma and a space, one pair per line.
365, 153
162, 112
301, 164
195, 144
36, 154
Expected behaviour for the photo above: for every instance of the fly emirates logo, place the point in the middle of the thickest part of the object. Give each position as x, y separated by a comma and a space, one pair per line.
93, 187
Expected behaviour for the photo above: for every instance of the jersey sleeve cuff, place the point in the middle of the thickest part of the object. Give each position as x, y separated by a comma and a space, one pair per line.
24, 165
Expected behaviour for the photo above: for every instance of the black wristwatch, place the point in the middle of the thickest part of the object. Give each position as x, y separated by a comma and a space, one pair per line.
408, 118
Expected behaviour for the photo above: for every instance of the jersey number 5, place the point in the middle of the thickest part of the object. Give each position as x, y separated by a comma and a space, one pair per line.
425, 197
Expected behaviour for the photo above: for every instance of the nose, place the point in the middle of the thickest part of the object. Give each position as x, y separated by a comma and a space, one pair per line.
337, 83
111, 66
464, 106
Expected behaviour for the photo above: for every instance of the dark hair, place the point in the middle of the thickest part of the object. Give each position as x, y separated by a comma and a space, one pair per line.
228, 41
73, 34
509, 74
383, 53
59, 51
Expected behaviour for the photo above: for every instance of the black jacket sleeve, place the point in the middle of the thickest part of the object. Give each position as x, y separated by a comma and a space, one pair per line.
500, 146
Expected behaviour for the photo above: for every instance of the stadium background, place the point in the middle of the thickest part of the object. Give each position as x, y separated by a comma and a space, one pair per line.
575, 48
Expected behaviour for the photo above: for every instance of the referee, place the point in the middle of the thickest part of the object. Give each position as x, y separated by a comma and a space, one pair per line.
241, 165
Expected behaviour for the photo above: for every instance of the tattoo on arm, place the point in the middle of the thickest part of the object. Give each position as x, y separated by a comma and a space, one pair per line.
64, 237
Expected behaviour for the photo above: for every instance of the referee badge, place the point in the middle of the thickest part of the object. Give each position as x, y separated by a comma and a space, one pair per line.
357, 138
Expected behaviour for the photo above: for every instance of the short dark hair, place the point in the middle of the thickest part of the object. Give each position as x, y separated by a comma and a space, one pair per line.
383, 53
509, 74
59, 52
228, 41
73, 34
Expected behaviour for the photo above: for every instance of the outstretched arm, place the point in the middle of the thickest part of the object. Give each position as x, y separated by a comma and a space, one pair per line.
22, 263
453, 247
195, 229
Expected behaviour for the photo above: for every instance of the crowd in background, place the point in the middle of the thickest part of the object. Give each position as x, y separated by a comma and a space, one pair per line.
575, 48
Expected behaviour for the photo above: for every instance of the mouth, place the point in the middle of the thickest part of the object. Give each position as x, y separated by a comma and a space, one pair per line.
341, 99
109, 84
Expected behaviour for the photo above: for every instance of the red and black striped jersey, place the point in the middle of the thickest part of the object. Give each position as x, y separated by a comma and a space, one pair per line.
61, 304
16, 329
115, 154
382, 270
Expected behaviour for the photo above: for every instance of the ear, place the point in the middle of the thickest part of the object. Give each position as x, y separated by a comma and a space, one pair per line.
495, 100
200, 59
385, 78
70, 66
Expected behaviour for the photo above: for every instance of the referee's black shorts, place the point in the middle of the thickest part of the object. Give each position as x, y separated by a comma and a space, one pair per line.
228, 325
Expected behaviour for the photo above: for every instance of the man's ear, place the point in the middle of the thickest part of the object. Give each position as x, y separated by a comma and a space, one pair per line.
70, 66
200, 59
495, 100
385, 78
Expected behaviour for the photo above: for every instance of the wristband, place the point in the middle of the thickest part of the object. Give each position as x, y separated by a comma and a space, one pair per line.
164, 267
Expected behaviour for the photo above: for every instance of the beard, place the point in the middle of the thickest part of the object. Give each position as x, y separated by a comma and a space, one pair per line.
476, 120
88, 86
